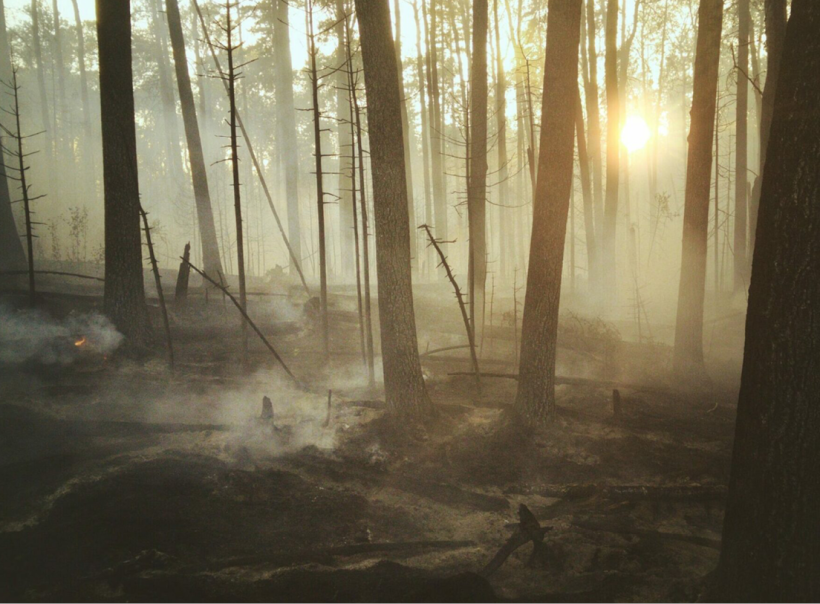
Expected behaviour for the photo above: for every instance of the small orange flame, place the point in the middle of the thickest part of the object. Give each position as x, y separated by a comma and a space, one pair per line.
80, 342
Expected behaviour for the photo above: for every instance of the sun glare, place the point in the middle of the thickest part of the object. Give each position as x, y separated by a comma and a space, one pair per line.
635, 133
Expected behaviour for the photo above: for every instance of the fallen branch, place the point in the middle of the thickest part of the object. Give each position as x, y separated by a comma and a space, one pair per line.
250, 322
576, 381
61, 273
160, 294
445, 349
592, 525
460, 298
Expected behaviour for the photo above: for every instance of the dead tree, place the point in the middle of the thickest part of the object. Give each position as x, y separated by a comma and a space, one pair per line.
181, 290
320, 193
160, 295
350, 85
12, 256
21, 169
368, 317
230, 77
741, 265
460, 297
196, 158
295, 260
249, 321
124, 299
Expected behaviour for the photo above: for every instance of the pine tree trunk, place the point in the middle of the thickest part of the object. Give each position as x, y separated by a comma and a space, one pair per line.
770, 551
421, 77
41, 79
505, 238
404, 387
199, 174
124, 298
586, 190
286, 123
613, 148
688, 351
436, 131
87, 131
12, 257
477, 182
535, 401
741, 121
343, 118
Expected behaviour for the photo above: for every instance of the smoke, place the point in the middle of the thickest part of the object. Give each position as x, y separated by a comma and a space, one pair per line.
34, 336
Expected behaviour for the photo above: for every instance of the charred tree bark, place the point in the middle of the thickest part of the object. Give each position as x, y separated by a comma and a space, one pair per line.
405, 392
688, 351
477, 183
770, 550
775, 35
613, 147
124, 297
741, 145
12, 256
196, 158
535, 401
286, 122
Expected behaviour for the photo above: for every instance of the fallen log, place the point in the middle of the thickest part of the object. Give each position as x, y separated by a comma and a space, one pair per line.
592, 525
575, 381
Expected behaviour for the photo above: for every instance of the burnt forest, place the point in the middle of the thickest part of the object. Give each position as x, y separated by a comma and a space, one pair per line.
409, 300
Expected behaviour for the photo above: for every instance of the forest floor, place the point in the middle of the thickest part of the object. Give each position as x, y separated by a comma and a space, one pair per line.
120, 481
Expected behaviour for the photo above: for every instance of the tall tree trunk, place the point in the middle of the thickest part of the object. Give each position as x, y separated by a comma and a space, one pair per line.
343, 118
425, 140
41, 78
477, 183
78, 23
404, 387
586, 189
12, 257
124, 297
594, 117
60, 102
505, 238
535, 401
775, 35
770, 550
169, 110
688, 352
613, 147
409, 143
436, 128
286, 122
199, 174
741, 145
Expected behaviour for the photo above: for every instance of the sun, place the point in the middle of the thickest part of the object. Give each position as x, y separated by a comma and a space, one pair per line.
635, 133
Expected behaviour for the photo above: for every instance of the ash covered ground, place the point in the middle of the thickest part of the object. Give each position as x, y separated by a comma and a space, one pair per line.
122, 481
